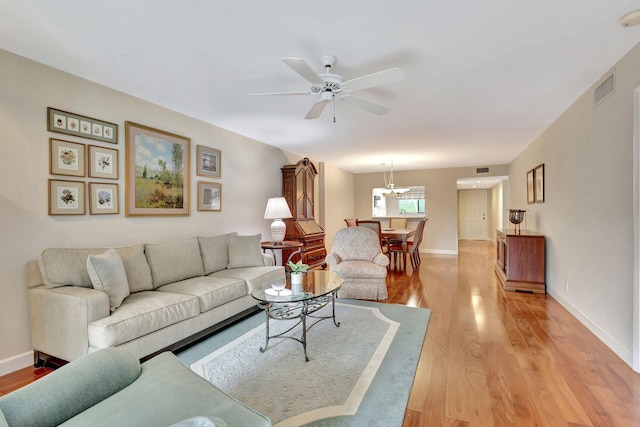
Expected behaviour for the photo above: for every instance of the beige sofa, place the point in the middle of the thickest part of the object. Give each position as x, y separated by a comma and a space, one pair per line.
145, 297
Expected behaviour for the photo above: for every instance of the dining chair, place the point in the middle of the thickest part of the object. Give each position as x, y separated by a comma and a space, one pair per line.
351, 222
413, 248
375, 226
398, 223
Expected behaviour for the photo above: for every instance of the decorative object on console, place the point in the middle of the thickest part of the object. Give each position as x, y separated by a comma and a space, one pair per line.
516, 216
66, 197
298, 190
77, 125
103, 198
209, 196
66, 158
156, 180
208, 161
277, 209
103, 162
539, 179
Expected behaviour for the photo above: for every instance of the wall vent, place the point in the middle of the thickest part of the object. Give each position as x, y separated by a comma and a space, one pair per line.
482, 170
606, 88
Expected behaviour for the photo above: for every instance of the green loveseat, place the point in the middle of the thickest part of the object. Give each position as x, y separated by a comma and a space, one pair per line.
111, 388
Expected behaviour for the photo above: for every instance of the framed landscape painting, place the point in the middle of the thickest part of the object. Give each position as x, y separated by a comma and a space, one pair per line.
157, 176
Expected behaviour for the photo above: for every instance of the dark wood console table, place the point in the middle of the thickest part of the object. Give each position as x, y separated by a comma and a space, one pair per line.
520, 262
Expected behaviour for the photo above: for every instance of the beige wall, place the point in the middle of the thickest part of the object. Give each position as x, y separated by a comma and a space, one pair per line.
337, 188
250, 175
588, 214
441, 231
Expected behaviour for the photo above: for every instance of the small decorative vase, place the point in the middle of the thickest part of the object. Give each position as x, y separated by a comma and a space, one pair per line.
296, 278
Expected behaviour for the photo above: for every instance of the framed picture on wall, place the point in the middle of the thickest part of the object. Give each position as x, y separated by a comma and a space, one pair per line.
539, 186
209, 162
103, 162
157, 172
209, 196
66, 197
86, 127
66, 158
531, 187
103, 198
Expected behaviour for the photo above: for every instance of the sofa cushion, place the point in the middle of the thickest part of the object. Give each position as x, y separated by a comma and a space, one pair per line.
255, 277
215, 252
174, 261
71, 389
210, 291
245, 251
140, 314
108, 275
200, 422
137, 267
66, 267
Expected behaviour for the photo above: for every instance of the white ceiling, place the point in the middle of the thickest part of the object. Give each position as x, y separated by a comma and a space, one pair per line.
483, 79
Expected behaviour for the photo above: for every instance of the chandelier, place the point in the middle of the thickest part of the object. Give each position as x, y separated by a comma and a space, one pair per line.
391, 191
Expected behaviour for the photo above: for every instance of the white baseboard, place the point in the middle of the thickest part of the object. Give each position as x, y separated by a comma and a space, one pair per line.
608, 340
438, 251
16, 363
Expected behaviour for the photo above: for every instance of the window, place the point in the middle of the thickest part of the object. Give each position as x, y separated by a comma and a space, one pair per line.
404, 201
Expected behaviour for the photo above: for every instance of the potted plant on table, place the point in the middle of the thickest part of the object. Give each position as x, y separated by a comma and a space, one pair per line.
296, 271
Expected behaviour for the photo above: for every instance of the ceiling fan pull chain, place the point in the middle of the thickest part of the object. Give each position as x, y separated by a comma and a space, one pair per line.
334, 108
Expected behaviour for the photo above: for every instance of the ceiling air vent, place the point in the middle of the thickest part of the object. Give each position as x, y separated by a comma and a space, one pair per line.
604, 89
482, 170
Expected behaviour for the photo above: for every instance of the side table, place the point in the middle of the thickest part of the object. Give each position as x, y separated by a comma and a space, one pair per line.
287, 244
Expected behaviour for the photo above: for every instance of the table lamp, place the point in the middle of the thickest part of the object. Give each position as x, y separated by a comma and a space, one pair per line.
277, 209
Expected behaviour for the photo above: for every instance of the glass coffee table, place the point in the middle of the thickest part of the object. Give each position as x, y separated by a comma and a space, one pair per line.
318, 289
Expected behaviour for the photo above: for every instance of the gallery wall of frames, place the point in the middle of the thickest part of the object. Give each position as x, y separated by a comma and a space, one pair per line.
157, 177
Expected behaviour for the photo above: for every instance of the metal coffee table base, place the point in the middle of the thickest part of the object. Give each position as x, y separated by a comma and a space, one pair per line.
302, 310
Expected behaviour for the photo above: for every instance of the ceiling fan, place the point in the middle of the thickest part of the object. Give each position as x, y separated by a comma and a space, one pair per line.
329, 86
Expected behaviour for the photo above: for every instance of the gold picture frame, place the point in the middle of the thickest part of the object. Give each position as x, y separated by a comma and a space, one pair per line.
157, 172
103, 162
74, 124
209, 196
539, 183
66, 197
104, 198
66, 158
209, 162
531, 187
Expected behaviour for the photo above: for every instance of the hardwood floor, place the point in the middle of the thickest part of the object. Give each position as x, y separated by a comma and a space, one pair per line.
495, 358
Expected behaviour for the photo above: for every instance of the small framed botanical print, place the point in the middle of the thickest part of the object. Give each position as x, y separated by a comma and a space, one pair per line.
66, 158
77, 125
66, 197
209, 162
209, 196
103, 198
103, 162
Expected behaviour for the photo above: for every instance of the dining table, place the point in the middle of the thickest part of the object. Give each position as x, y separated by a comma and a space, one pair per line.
399, 234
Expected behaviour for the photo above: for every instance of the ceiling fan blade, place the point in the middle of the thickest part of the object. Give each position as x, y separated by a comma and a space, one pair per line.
381, 78
365, 105
316, 109
299, 66
280, 93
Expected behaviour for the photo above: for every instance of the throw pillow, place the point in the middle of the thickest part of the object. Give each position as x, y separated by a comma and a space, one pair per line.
108, 275
245, 251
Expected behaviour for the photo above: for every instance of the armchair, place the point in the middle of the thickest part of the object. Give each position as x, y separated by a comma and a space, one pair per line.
357, 257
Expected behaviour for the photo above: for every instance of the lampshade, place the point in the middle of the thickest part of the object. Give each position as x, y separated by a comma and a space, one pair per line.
277, 209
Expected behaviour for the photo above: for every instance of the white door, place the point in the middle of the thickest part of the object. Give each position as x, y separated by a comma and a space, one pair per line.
472, 214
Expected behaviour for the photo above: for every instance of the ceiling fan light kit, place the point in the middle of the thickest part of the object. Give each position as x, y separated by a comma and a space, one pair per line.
330, 86
630, 19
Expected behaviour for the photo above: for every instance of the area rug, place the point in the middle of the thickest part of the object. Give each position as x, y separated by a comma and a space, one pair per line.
358, 374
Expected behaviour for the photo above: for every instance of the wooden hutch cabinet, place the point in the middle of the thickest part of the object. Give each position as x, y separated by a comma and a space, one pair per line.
298, 190
521, 264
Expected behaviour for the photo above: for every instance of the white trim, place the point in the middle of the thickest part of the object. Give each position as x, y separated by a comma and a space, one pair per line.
609, 341
16, 363
635, 359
